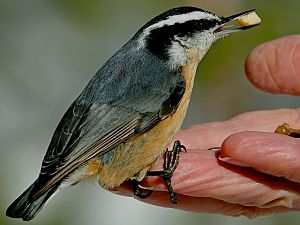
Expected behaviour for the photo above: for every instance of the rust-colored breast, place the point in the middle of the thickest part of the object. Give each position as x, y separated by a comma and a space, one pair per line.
133, 158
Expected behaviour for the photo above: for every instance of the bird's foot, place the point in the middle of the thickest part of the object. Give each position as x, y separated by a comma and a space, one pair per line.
139, 191
171, 160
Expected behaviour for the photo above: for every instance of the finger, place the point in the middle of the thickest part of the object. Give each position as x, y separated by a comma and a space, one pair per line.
209, 205
212, 134
275, 66
274, 154
200, 174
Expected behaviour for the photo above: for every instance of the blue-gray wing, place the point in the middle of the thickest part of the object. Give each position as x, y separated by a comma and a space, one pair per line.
113, 107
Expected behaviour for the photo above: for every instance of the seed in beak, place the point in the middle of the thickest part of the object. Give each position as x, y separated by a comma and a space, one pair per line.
249, 19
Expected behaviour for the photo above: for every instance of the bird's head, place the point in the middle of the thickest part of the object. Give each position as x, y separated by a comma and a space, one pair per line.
186, 32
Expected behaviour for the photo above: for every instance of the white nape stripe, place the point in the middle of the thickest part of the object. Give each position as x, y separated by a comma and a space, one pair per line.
171, 20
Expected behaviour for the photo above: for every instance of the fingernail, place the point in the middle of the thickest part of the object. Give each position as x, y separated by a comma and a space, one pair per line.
232, 161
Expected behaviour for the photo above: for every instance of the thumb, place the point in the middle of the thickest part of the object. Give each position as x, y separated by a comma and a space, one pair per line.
275, 66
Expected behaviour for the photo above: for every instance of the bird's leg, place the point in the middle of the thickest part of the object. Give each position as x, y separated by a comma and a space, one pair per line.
285, 129
171, 160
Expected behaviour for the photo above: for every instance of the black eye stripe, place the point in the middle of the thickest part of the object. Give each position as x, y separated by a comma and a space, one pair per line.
186, 28
160, 38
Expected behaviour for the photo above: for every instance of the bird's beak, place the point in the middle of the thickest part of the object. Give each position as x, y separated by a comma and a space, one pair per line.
237, 22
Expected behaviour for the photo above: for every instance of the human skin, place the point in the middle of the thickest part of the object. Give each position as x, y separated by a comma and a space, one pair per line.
261, 172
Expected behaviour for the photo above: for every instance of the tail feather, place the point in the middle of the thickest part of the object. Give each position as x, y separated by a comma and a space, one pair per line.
25, 206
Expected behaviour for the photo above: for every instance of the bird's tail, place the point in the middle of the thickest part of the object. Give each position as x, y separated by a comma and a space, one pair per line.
25, 206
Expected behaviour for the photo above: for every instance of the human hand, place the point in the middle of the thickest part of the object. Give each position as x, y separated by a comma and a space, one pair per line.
267, 179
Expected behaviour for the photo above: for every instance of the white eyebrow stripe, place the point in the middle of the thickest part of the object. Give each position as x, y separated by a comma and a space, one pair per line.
171, 20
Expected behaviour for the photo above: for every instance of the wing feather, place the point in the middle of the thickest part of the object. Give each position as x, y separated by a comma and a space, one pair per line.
89, 150
116, 105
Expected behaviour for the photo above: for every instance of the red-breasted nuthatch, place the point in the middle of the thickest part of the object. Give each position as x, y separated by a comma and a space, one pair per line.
131, 109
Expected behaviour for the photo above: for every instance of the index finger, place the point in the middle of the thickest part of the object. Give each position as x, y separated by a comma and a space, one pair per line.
275, 66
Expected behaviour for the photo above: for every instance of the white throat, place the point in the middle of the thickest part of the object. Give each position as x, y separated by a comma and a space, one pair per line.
183, 51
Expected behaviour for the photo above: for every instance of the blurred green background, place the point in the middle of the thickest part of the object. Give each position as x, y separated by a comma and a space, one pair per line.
49, 51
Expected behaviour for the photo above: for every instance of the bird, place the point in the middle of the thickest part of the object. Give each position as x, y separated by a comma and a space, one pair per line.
127, 115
